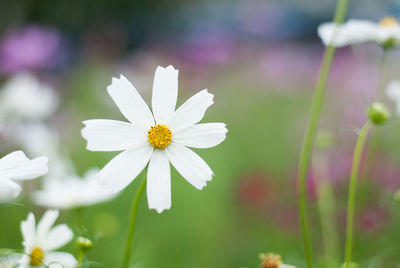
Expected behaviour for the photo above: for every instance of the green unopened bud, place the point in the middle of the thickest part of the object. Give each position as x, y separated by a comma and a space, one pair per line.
378, 113
84, 243
350, 265
325, 139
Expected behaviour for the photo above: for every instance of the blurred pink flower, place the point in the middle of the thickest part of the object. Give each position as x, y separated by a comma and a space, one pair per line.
372, 218
254, 190
29, 48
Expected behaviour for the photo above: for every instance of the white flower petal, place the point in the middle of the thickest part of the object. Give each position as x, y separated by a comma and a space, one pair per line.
159, 182
57, 237
60, 260
349, 33
17, 166
191, 166
393, 93
165, 93
386, 33
112, 135
8, 189
286, 266
12, 160
28, 230
24, 96
192, 111
130, 103
124, 168
201, 135
44, 225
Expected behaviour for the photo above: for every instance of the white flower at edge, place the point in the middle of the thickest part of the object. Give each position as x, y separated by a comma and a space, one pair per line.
17, 167
23, 96
386, 32
9, 260
393, 93
155, 138
72, 191
40, 242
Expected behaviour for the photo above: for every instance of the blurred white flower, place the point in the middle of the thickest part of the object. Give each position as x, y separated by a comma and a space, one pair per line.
23, 96
155, 138
72, 191
386, 33
393, 93
16, 166
40, 242
10, 260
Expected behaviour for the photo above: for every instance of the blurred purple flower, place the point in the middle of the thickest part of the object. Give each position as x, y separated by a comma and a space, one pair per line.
29, 48
373, 218
208, 49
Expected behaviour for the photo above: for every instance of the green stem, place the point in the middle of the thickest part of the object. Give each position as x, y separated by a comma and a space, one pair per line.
382, 79
136, 201
358, 151
312, 126
80, 257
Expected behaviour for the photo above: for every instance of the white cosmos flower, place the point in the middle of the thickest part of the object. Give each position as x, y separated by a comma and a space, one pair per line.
23, 96
10, 260
393, 93
72, 191
155, 138
385, 33
16, 166
40, 242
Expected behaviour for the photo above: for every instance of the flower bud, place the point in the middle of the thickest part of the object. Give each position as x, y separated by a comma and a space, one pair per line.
270, 260
84, 243
378, 113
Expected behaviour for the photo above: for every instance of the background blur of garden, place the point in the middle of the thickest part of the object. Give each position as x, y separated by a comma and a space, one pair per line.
260, 59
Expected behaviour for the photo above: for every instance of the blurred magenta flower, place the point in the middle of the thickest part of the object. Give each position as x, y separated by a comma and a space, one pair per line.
208, 49
255, 190
373, 218
29, 48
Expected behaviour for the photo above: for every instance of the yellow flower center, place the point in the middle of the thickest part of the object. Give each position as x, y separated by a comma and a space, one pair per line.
388, 22
37, 256
160, 136
270, 260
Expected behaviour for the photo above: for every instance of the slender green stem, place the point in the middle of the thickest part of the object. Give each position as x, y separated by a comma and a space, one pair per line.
136, 201
358, 151
315, 114
80, 256
382, 77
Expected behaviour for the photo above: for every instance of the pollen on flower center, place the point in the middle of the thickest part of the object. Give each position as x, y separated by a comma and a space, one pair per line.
270, 260
388, 22
159, 136
37, 256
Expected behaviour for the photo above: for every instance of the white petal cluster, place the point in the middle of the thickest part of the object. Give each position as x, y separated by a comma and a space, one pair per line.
23, 96
72, 192
47, 239
132, 137
358, 31
17, 167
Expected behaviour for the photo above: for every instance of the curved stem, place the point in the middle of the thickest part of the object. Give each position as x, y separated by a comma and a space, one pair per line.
136, 201
358, 151
315, 114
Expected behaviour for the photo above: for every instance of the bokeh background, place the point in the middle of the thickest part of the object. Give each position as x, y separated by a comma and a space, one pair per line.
261, 60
